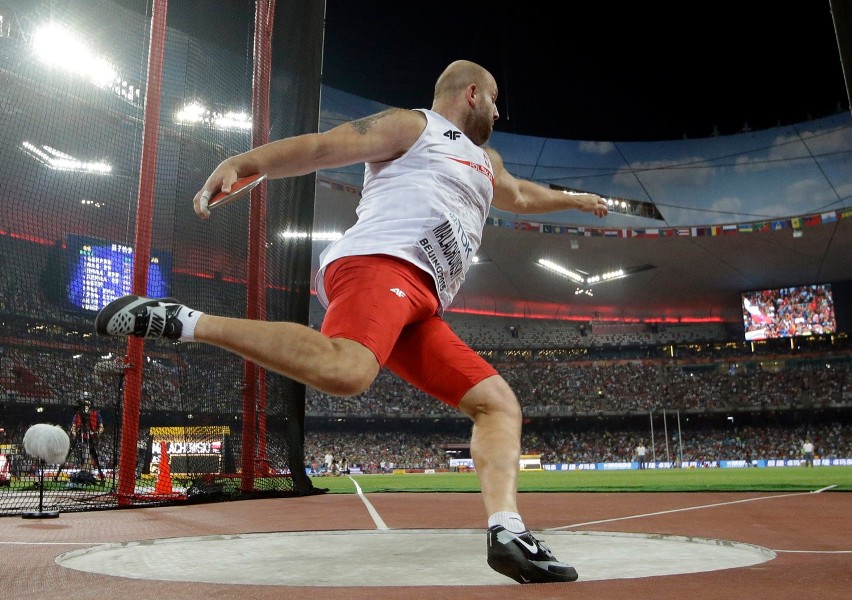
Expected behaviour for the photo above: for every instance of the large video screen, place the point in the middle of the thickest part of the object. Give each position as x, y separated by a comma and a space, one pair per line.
789, 312
101, 271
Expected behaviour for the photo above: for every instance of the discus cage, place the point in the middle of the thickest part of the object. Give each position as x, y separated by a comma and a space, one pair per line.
113, 113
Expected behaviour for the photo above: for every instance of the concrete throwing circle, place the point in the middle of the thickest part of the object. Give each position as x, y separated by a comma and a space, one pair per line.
427, 557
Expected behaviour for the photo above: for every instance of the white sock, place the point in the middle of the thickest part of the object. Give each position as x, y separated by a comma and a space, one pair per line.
510, 520
188, 318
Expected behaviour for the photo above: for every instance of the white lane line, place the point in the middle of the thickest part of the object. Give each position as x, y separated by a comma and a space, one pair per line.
52, 543
377, 519
814, 551
677, 510
824, 489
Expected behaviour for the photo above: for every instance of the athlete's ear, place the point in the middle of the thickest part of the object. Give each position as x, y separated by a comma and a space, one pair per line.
470, 95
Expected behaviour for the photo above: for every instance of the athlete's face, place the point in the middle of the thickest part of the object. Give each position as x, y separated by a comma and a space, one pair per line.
484, 114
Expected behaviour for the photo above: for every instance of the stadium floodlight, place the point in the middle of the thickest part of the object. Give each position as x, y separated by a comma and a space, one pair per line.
317, 236
233, 120
57, 46
638, 208
587, 279
61, 161
194, 112
191, 113
573, 275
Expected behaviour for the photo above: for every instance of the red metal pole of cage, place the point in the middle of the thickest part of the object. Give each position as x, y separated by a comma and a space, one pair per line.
254, 388
142, 250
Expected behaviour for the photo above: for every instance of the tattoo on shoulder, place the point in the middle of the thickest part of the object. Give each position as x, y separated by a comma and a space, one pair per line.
364, 124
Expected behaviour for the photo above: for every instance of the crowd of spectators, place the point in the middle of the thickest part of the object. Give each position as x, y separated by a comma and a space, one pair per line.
553, 389
48, 355
375, 452
206, 380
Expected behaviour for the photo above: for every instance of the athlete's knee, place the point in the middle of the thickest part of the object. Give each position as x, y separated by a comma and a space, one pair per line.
489, 397
351, 371
347, 383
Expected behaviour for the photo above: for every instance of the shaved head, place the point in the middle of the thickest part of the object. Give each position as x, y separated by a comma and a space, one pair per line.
458, 75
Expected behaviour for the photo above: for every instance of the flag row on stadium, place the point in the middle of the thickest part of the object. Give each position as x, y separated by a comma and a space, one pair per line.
794, 223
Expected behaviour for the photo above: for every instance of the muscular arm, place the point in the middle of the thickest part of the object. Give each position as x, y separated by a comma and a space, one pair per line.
526, 197
380, 137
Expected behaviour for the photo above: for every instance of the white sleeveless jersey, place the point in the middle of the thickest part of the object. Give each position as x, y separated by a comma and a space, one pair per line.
427, 207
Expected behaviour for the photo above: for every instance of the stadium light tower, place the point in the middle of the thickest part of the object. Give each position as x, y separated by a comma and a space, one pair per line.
57, 46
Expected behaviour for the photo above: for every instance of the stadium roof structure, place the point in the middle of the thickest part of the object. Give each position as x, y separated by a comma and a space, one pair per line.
695, 220
725, 146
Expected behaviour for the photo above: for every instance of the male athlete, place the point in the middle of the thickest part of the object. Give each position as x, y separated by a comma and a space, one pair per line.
429, 183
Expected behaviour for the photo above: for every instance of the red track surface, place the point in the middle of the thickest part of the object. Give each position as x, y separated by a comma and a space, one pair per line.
812, 534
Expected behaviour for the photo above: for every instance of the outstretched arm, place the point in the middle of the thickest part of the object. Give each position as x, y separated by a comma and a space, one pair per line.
384, 136
525, 197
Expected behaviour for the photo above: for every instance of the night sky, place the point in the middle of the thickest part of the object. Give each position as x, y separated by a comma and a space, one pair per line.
637, 72
602, 71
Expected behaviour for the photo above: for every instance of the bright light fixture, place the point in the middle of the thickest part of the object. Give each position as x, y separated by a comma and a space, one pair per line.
60, 161
573, 275
317, 236
196, 113
57, 46
583, 278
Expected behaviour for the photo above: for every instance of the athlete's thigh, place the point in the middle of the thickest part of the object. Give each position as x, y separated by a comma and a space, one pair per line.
372, 298
430, 356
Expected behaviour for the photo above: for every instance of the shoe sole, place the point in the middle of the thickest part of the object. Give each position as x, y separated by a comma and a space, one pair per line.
510, 567
104, 324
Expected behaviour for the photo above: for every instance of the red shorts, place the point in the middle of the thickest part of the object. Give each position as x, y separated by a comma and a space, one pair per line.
390, 306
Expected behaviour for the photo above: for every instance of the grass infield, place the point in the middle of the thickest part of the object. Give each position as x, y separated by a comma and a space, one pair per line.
775, 479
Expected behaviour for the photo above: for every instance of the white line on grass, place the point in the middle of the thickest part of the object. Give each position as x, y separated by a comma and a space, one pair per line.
824, 489
380, 524
677, 510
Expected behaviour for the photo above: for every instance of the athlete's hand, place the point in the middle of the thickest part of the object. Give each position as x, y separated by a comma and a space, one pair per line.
595, 204
220, 180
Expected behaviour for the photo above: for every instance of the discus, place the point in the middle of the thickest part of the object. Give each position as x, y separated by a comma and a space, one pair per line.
240, 188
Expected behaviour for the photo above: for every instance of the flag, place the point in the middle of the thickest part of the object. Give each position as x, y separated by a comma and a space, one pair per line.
683, 231
829, 217
729, 229
756, 315
811, 220
779, 225
746, 228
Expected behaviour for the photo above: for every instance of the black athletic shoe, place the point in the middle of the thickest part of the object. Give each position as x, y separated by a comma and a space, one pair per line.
140, 317
525, 559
